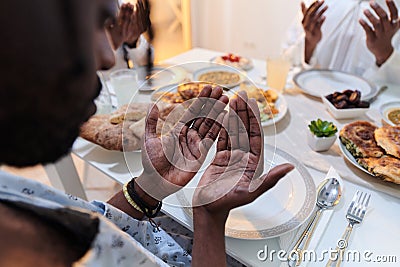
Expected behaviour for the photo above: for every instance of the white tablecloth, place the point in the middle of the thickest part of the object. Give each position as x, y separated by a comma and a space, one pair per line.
378, 233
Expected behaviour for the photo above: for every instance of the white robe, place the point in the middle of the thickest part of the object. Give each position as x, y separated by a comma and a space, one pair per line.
343, 44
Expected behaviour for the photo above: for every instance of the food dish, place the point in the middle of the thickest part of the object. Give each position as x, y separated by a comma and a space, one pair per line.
160, 76
359, 139
347, 113
179, 93
387, 168
278, 105
222, 75
392, 108
320, 83
371, 148
278, 211
389, 139
233, 60
123, 129
352, 159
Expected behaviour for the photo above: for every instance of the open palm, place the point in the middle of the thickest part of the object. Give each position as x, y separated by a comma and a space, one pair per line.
379, 36
172, 160
233, 178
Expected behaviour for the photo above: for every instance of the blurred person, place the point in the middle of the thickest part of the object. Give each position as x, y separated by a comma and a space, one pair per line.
355, 36
45, 97
126, 33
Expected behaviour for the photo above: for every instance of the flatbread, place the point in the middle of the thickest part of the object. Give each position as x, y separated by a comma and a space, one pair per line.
388, 138
101, 131
95, 124
358, 137
123, 129
138, 128
131, 112
386, 167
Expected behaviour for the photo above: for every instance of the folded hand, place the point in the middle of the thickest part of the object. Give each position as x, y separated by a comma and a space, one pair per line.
129, 25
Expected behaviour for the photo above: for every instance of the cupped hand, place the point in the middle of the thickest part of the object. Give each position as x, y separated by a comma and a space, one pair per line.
233, 178
313, 18
379, 36
172, 160
131, 22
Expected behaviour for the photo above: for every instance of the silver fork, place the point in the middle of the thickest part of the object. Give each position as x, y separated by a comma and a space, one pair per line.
355, 215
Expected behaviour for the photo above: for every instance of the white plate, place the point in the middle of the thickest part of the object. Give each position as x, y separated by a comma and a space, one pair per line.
198, 73
160, 76
351, 158
386, 108
246, 67
280, 104
324, 82
280, 210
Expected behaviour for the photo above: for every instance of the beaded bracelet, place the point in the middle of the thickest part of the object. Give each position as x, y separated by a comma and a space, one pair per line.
149, 211
129, 199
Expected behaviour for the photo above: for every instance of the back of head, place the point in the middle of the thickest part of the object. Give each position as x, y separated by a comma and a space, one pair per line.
47, 65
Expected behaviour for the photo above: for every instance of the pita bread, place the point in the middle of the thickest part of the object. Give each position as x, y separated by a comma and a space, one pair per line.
138, 128
123, 129
388, 138
95, 124
131, 112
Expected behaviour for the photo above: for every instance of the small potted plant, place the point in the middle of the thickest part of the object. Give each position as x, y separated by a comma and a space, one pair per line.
322, 135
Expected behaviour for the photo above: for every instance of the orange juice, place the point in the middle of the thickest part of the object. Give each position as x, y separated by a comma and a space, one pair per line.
277, 71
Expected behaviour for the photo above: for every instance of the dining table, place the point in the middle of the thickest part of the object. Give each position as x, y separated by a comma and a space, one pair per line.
376, 238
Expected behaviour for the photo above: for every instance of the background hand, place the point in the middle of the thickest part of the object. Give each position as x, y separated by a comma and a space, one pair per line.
172, 160
131, 22
232, 179
313, 19
379, 37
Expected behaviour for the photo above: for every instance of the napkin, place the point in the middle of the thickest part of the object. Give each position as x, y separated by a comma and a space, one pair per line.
287, 241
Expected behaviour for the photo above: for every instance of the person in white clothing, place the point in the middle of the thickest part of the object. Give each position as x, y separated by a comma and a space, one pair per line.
354, 36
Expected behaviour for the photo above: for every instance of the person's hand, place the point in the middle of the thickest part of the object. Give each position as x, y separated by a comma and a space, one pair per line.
379, 37
129, 25
313, 18
172, 160
233, 178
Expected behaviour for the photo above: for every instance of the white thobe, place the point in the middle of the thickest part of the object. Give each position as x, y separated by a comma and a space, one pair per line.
343, 44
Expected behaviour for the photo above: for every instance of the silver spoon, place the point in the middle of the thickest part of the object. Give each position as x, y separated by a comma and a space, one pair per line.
328, 195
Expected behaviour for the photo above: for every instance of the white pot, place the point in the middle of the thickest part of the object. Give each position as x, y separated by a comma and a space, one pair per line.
320, 143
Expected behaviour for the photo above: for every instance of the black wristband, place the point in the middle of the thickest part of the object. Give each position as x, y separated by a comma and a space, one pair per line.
149, 211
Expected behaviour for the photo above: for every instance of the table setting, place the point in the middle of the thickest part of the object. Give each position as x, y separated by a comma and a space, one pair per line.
287, 222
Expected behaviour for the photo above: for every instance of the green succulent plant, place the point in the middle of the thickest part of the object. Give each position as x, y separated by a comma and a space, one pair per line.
322, 128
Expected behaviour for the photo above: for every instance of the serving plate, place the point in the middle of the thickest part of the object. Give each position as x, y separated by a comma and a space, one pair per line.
351, 158
321, 82
197, 74
278, 211
160, 76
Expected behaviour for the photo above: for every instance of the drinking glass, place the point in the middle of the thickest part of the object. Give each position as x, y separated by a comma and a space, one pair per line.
103, 101
277, 71
125, 85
